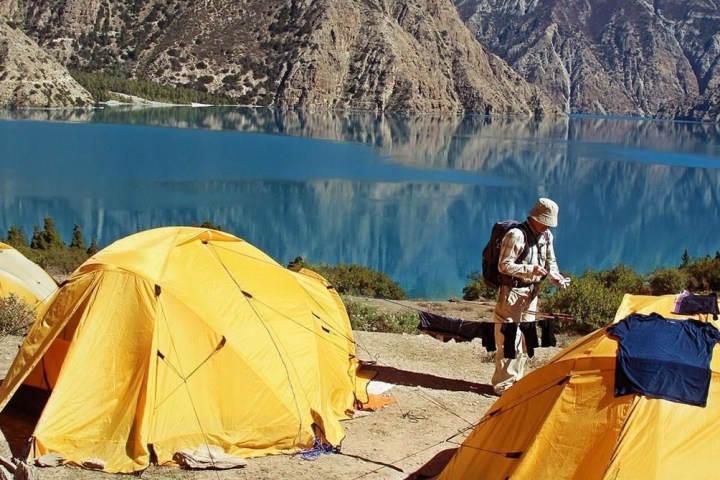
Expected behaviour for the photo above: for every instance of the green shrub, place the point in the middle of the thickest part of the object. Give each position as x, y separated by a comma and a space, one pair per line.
369, 318
703, 274
664, 281
58, 262
591, 303
477, 289
355, 279
16, 316
16, 237
48, 250
623, 278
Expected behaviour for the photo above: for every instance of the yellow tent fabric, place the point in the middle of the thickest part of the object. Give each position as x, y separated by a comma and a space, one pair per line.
24, 278
562, 421
183, 338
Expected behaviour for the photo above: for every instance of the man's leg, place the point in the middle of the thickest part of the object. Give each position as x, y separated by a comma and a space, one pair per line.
508, 370
509, 309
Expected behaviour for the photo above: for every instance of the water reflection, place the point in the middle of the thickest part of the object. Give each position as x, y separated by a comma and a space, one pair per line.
413, 196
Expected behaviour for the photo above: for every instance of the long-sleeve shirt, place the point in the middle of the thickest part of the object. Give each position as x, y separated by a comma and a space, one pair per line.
540, 253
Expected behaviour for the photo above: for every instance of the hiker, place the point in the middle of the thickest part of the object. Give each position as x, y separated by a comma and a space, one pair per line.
520, 282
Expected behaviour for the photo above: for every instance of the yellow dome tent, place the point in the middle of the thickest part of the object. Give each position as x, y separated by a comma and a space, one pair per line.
562, 421
24, 278
185, 338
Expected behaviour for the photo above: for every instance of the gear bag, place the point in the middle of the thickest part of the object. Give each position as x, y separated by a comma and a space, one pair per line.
491, 253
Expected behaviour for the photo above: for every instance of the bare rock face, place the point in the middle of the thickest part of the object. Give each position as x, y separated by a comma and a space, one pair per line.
400, 55
700, 109
30, 77
605, 56
403, 56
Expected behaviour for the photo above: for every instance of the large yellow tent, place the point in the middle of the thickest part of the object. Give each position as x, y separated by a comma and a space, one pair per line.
563, 421
24, 278
184, 338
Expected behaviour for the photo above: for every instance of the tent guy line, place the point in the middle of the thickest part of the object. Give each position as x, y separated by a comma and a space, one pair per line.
555, 315
450, 439
496, 413
392, 464
558, 316
444, 407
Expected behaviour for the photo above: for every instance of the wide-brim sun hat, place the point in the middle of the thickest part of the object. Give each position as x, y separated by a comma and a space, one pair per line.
545, 211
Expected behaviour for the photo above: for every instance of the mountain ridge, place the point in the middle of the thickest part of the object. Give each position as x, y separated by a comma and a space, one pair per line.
337, 54
653, 58
634, 57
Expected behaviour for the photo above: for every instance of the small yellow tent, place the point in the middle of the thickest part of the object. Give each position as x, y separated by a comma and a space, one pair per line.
563, 421
24, 278
185, 338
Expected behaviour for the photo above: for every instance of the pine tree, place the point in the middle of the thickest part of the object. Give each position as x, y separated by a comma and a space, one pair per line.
685, 259
16, 237
77, 239
296, 264
209, 224
38, 240
51, 236
93, 248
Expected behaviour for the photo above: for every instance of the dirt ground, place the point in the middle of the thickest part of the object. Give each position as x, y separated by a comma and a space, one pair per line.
440, 390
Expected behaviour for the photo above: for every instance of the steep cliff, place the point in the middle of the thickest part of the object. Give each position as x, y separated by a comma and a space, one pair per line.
703, 109
401, 55
30, 77
606, 56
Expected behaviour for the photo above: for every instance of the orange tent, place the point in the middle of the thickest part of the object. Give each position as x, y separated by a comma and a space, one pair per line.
563, 421
178, 339
23, 278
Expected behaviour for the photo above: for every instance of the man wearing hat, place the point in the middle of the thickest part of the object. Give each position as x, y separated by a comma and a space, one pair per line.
522, 270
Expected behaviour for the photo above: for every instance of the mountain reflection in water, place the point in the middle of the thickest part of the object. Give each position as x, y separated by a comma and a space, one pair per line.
412, 196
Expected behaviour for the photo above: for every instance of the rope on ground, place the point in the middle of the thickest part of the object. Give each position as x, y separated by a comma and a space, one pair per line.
409, 307
442, 406
565, 317
413, 418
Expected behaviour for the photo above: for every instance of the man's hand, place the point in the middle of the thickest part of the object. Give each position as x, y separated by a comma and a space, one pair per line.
539, 271
560, 281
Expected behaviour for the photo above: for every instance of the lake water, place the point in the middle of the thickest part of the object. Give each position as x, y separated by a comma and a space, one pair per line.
412, 196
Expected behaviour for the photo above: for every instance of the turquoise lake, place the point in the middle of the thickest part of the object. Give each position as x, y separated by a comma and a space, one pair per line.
412, 196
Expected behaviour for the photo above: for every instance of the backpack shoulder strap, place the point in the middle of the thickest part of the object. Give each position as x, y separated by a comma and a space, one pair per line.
524, 228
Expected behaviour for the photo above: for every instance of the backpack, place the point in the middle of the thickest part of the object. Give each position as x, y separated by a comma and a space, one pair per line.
491, 253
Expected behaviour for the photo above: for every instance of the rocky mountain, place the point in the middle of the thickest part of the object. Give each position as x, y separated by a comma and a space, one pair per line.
704, 109
607, 56
31, 77
399, 55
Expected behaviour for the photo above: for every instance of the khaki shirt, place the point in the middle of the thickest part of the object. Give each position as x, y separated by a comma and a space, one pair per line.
541, 254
